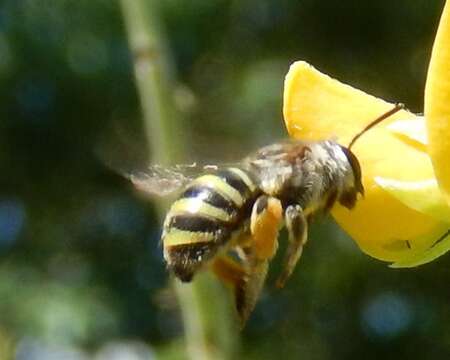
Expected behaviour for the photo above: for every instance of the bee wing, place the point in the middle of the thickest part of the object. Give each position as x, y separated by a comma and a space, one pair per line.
162, 181
159, 180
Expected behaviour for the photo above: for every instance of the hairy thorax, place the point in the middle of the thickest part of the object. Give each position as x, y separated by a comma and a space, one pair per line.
312, 175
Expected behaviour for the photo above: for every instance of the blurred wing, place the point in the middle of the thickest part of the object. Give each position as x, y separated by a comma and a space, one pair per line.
160, 180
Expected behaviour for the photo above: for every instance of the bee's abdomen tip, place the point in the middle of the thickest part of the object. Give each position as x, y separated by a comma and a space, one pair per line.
181, 272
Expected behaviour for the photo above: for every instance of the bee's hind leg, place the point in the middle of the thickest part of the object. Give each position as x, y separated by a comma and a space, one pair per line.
245, 277
297, 227
257, 250
265, 222
246, 273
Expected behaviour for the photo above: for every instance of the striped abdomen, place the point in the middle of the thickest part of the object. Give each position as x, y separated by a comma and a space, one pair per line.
205, 217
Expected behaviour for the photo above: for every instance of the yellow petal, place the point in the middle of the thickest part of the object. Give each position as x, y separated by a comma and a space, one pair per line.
319, 107
411, 130
439, 249
437, 103
423, 196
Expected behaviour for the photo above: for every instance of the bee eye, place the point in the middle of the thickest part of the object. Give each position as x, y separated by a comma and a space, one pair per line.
356, 168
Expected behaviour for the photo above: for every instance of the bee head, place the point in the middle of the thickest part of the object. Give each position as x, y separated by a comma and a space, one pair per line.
349, 196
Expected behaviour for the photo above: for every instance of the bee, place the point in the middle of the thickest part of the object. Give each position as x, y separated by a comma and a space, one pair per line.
228, 218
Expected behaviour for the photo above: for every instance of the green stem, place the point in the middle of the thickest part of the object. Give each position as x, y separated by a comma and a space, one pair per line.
150, 69
210, 327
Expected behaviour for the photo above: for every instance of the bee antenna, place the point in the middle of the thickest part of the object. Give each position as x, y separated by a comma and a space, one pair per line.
396, 108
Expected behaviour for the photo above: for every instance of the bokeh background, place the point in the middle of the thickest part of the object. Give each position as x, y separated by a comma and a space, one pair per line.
81, 271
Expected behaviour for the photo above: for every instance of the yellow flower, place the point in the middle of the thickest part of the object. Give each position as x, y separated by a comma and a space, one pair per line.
437, 103
404, 212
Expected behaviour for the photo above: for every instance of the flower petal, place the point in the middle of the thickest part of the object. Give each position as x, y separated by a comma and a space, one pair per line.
439, 249
423, 196
437, 103
319, 107
413, 129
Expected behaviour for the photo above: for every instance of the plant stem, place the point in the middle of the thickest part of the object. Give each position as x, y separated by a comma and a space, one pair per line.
153, 85
209, 324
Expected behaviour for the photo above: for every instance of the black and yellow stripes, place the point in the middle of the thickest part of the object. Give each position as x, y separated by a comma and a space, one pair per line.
209, 196
205, 216
237, 179
210, 207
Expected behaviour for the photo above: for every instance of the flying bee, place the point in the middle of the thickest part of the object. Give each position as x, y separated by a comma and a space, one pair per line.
228, 218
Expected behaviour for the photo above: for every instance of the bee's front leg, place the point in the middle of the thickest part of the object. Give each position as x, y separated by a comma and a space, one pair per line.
297, 227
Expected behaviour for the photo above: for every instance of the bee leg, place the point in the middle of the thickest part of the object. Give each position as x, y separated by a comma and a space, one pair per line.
246, 279
247, 273
255, 252
230, 271
252, 287
297, 227
264, 226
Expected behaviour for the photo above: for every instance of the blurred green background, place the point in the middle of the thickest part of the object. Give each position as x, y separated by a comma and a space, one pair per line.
81, 270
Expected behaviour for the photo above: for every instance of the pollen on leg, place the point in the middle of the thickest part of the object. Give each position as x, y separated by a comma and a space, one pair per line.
228, 270
265, 222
